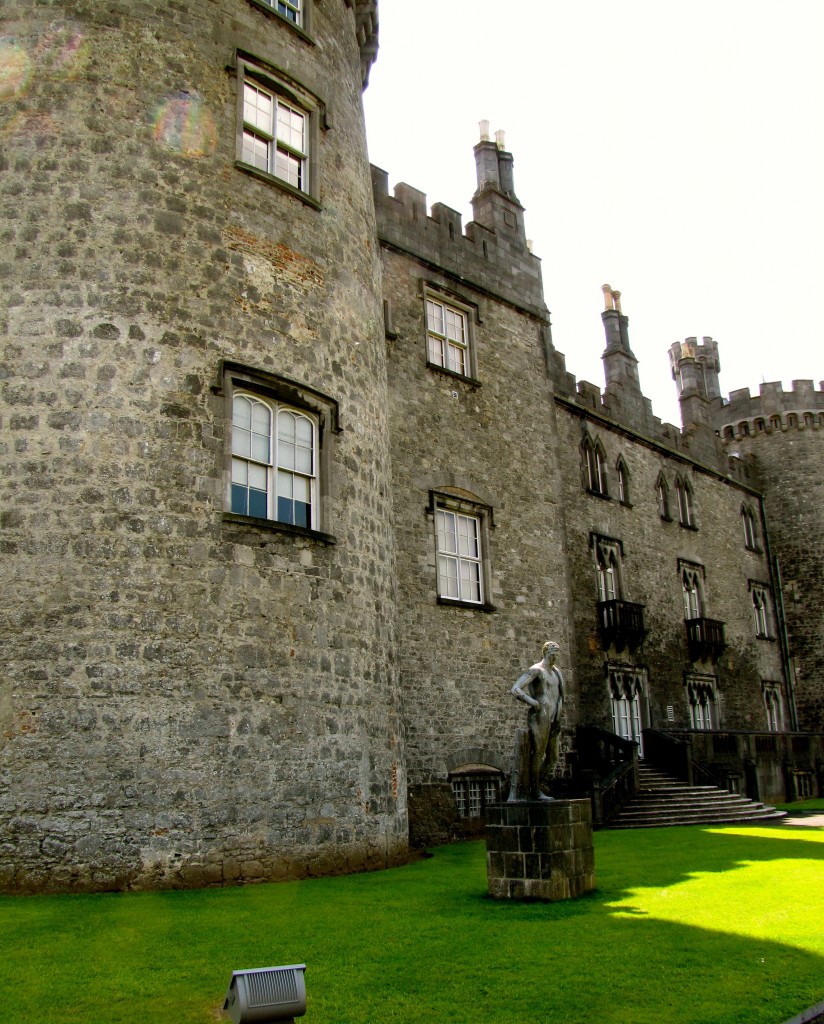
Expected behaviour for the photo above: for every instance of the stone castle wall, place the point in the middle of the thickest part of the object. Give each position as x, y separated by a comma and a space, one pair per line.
187, 697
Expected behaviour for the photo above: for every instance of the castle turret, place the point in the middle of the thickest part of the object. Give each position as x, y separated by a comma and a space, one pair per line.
695, 369
620, 365
495, 205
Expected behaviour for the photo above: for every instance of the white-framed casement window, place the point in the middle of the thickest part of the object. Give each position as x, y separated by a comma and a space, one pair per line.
448, 337
474, 789
750, 525
278, 458
686, 507
692, 586
278, 122
292, 10
774, 705
275, 135
627, 703
461, 541
762, 616
273, 461
594, 467
701, 699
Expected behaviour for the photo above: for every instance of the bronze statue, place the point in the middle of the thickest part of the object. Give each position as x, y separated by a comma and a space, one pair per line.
542, 688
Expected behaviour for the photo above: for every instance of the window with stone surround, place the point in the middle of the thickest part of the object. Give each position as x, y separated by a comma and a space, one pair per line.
278, 122
594, 466
686, 508
607, 567
474, 788
627, 686
774, 704
692, 586
750, 523
461, 544
662, 497
449, 336
702, 701
762, 615
622, 477
279, 439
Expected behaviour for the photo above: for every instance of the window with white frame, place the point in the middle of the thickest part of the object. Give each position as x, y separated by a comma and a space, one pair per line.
761, 609
692, 586
292, 10
273, 461
595, 467
774, 706
278, 448
447, 336
626, 692
701, 698
750, 524
686, 511
277, 127
275, 135
475, 789
460, 570
461, 527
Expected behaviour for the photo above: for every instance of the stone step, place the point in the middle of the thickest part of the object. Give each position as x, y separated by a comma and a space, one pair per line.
663, 800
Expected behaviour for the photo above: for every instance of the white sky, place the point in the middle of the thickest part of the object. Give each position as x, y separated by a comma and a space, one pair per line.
672, 149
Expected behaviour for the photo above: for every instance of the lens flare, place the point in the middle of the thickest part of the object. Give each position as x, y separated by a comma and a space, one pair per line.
15, 68
184, 125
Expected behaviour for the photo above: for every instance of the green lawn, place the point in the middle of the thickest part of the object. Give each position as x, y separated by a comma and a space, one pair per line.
691, 925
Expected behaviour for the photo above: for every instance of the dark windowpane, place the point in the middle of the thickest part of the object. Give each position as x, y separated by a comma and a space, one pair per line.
301, 514
285, 510
239, 500
257, 504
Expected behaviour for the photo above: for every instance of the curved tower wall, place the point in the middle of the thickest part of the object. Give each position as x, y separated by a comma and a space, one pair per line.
784, 432
189, 696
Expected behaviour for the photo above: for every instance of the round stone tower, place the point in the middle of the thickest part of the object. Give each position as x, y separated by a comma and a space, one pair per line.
784, 432
199, 681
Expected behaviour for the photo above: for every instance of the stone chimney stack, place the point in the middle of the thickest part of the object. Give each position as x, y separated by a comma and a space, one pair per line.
620, 365
695, 367
495, 205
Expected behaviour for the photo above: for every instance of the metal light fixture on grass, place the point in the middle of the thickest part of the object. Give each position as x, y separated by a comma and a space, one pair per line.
266, 994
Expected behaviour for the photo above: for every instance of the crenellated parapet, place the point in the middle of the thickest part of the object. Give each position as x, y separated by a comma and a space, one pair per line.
772, 411
481, 256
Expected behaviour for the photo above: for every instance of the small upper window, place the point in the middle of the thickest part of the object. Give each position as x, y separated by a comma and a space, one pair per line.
274, 135
662, 496
623, 481
447, 337
686, 511
750, 524
278, 120
289, 9
595, 467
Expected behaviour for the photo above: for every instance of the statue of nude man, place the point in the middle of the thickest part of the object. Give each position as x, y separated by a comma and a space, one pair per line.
542, 688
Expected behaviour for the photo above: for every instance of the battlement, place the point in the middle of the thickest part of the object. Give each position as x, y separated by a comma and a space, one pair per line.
773, 410
481, 256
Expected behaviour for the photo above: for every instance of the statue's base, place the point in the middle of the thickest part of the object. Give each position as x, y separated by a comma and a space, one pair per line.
538, 850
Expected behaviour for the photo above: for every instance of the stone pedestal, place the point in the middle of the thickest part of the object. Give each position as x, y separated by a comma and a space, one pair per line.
538, 850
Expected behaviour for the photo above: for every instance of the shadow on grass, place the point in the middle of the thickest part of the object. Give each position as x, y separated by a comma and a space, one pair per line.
424, 945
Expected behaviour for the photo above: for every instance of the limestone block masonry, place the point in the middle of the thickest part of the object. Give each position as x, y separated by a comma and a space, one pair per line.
540, 850
188, 697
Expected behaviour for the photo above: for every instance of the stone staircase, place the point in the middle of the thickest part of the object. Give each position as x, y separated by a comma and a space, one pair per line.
664, 800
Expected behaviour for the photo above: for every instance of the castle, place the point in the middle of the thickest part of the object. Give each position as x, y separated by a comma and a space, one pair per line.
296, 481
